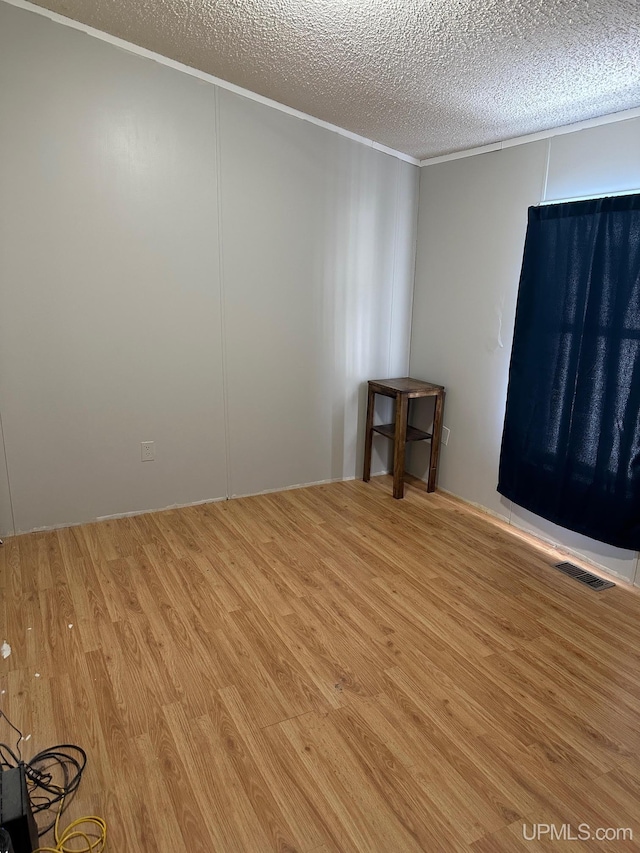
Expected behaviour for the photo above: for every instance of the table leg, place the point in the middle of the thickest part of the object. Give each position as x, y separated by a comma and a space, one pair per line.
435, 442
400, 441
368, 436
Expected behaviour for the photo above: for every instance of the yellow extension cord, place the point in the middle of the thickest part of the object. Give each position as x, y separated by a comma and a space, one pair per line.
72, 833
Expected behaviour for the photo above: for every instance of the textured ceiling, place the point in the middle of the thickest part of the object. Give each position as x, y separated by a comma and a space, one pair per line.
425, 77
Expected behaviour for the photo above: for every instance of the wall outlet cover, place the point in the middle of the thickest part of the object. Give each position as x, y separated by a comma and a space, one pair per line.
147, 451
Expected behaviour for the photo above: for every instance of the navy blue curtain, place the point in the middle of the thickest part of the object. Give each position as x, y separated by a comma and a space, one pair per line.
571, 439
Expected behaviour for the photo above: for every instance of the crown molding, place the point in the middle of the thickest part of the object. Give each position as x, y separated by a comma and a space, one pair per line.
208, 78
610, 118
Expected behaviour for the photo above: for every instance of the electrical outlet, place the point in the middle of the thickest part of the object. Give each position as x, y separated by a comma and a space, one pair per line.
148, 451
446, 432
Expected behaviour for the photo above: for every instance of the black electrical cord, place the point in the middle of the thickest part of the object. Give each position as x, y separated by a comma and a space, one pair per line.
16, 730
65, 760
53, 775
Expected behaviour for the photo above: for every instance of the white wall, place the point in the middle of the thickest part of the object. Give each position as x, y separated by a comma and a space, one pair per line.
110, 294
123, 318
472, 223
319, 244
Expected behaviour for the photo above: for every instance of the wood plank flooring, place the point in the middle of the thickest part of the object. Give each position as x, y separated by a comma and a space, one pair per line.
325, 670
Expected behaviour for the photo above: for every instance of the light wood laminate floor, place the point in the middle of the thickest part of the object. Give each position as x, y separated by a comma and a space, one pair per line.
325, 670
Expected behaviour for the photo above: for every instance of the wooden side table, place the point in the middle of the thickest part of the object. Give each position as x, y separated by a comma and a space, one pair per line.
403, 390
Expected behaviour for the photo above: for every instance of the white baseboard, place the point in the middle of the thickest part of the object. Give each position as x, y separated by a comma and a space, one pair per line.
562, 550
132, 514
297, 486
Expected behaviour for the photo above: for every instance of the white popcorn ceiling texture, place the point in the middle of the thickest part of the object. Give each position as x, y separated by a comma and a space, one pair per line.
425, 78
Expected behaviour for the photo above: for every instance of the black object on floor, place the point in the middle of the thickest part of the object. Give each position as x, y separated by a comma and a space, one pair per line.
5, 842
16, 818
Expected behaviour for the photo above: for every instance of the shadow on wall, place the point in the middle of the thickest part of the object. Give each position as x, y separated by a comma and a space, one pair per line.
421, 415
364, 280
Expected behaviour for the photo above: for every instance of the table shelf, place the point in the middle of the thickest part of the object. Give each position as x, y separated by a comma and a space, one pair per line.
403, 390
413, 434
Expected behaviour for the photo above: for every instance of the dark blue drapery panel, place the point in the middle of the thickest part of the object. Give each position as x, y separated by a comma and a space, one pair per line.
571, 440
